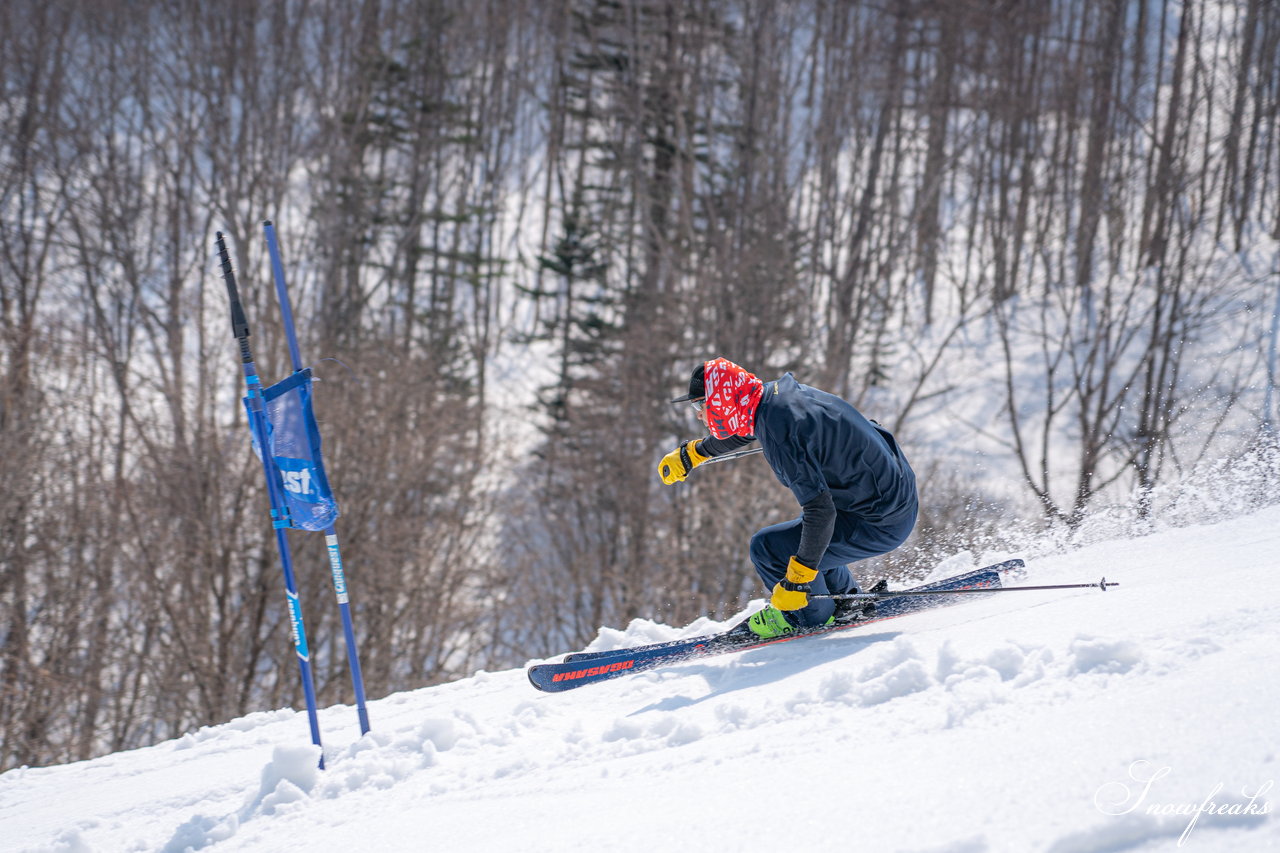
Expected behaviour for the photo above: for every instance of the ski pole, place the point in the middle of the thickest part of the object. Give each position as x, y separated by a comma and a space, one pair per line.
874, 596
735, 455
738, 454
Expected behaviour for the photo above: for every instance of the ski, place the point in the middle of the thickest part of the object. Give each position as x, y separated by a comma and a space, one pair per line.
582, 668
884, 609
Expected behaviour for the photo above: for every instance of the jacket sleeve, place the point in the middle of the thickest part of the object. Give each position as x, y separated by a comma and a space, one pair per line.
817, 525
711, 446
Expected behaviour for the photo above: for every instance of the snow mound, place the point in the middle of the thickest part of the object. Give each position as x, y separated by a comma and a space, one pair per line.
1136, 719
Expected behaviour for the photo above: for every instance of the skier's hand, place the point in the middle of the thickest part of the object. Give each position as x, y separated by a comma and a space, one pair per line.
792, 592
677, 464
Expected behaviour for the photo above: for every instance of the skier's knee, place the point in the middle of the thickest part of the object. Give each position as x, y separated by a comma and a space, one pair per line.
763, 558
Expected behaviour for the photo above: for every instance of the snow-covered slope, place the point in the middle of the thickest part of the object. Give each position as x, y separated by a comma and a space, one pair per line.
1055, 721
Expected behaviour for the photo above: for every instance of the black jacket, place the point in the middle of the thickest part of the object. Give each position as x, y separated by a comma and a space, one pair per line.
831, 457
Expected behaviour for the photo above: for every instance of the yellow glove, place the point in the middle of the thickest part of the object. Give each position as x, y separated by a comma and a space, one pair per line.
791, 593
677, 464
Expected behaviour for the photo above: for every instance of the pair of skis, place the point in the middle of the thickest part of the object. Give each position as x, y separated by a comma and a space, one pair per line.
582, 668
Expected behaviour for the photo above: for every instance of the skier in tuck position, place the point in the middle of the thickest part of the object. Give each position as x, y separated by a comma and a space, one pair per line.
856, 491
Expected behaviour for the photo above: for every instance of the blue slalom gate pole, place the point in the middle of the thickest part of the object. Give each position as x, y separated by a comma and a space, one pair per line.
279, 512
330, 533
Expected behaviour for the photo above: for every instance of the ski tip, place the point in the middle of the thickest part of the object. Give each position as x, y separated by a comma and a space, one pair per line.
1016, 567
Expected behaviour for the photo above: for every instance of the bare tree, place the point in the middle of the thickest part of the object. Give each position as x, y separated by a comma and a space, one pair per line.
1062, 210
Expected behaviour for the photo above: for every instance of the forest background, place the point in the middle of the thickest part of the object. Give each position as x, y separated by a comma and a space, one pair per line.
1038, 239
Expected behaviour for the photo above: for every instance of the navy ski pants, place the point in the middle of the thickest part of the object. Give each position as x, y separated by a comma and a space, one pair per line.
852, 540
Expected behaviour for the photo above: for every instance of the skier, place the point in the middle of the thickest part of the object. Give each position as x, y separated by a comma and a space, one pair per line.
856, 491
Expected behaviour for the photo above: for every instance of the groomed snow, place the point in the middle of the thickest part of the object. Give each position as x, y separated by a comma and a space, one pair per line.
1038, 721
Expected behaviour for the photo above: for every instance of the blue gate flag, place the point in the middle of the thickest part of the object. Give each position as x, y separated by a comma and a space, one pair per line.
295, 452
